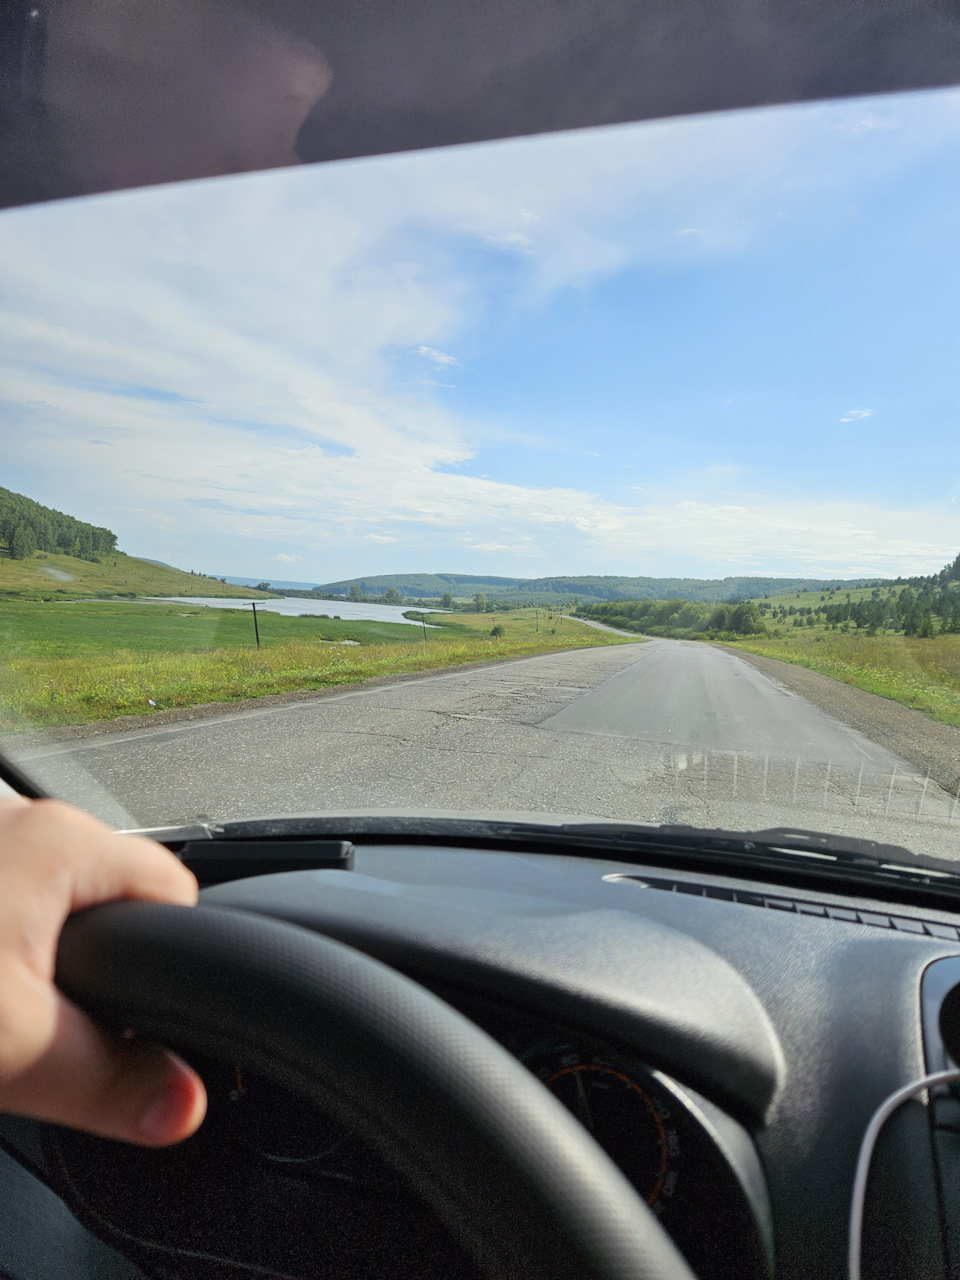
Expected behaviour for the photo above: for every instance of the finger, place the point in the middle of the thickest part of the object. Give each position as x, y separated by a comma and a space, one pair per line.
56, 859
90, 1080
86, 862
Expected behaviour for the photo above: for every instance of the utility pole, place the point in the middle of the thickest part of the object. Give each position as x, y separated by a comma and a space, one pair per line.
423, 623
256, 629
538, 619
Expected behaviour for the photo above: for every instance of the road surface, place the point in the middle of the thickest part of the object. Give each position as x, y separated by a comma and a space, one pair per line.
657, 731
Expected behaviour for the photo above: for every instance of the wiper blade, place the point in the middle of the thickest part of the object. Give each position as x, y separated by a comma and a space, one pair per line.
783, 845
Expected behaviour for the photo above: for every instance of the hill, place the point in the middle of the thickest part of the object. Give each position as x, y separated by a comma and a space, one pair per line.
46, 554
591, 587
27, 526
47, 576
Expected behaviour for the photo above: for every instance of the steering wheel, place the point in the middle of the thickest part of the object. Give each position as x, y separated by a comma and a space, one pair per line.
502, 1163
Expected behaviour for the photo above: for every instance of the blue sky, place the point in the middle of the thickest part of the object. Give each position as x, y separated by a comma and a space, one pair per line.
695, 347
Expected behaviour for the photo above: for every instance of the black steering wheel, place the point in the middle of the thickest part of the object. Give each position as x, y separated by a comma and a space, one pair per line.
497, 1157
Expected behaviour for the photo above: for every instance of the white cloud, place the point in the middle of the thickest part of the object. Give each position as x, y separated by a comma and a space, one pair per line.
287, 559
287, 427
438, 357
866, 123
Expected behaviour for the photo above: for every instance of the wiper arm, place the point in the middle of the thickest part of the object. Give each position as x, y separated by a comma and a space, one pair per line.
777, 847
789, 840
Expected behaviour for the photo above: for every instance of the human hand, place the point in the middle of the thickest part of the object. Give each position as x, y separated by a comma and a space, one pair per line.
55, 1063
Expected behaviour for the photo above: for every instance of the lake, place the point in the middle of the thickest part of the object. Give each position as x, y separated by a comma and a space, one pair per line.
292, 607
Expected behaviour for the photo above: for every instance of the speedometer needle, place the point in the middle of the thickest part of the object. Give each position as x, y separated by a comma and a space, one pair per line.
584, 1106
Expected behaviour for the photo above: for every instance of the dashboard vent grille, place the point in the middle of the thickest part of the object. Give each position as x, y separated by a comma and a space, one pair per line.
876, 919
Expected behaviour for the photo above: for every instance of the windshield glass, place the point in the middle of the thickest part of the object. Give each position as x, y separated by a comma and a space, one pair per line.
608, 473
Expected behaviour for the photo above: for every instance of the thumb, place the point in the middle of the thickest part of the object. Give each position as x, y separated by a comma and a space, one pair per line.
90, 1080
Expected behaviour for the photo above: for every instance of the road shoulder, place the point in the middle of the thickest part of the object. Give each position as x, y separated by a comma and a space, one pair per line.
933, 747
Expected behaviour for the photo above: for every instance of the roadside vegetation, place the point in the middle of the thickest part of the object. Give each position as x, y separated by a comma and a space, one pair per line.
899, 640
63, 663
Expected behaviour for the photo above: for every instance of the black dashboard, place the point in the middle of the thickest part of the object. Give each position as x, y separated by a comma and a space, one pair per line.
725, 1040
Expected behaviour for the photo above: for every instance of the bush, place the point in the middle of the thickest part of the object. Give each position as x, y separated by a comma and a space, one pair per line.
497, 630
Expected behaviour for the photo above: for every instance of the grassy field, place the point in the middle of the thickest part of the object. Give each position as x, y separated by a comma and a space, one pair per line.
924, 674
45, 576
62, 630
67, 663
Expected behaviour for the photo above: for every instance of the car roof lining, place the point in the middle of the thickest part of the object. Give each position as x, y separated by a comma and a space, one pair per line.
428, 73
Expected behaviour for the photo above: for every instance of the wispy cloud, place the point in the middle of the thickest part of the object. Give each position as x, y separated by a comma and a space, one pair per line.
438, 357
127, 319
866, 123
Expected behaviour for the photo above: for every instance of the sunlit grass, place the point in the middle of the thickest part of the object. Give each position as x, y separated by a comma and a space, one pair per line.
76, 689
48, 576
924, 674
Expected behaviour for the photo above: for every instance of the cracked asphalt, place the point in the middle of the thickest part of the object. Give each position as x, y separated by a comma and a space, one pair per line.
657, 731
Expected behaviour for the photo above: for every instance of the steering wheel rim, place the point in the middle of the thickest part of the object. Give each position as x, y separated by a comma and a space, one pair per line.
525, 1188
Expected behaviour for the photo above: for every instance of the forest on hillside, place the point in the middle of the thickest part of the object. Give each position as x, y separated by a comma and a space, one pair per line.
923, 607
27, 526
529, 591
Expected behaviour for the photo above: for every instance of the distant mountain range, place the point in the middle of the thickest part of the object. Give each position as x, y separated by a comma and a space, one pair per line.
431, 586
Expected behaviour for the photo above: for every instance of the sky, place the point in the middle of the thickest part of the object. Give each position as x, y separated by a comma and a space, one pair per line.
699, 347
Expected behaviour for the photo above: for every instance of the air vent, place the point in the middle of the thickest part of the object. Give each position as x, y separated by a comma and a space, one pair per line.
876, 919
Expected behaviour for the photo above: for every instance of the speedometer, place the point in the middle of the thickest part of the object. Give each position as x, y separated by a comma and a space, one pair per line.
630, 1116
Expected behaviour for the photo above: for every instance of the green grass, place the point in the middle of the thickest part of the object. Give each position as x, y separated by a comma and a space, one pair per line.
53, 577
61, 630
76, 663
924, 674
811, 599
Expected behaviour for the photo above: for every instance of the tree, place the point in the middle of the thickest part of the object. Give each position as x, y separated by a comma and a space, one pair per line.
392, 596
745, 620
262, 586
480, 602
22, 542
446, 600
355, 593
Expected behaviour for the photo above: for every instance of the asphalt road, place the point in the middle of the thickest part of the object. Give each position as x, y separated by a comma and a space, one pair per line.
658, 731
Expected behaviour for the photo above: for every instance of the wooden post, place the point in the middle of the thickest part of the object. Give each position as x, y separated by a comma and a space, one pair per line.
256, 629
423, 623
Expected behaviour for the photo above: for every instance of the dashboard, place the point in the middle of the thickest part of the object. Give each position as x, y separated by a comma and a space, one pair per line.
726, 1040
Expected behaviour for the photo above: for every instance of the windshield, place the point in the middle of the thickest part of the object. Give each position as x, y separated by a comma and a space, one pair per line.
610, 473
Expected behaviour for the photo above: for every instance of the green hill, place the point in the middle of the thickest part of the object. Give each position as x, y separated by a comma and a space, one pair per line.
47, 576
48, 555
591, 587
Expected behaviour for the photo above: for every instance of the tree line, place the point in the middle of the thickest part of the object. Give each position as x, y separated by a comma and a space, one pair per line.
666, 617
27, 526
929, 607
